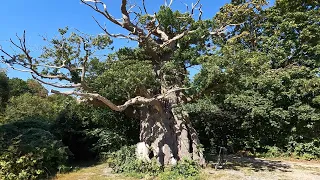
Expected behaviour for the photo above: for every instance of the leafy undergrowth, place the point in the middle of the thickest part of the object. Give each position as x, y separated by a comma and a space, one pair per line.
124, 161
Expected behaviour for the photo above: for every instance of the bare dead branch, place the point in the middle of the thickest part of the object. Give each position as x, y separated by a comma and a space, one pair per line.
194, 7
188, 30
126, 22
142, 34
170, 3
5, 52
124, 11
56, 84
105, 13
136, 100
121, 36
144, 6
187, 6
222, 29
200, 12
177, 37
131, 7
166, 3
29, 65
14, 68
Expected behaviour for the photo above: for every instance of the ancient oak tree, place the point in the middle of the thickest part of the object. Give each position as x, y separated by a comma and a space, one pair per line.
150, 80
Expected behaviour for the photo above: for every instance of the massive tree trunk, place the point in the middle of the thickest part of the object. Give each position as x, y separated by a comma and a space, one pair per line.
168, 133
165, 127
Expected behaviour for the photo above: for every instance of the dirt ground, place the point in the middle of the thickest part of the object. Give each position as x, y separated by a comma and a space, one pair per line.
236, 168
265, 169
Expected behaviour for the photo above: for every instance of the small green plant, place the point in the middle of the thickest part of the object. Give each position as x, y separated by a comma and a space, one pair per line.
272, 151
124, 161
185, 169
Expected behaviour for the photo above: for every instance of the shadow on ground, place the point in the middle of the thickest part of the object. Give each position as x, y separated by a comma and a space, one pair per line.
235, 163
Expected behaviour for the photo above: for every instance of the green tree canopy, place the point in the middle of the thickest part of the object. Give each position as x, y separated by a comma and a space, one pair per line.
4, 90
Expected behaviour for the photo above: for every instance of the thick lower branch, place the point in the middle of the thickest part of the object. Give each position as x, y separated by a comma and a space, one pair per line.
134, 101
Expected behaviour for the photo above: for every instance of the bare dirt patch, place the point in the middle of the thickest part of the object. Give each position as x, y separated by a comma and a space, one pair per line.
265, 169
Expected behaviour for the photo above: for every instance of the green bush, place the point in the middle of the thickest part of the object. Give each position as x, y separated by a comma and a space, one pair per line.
31, 123
307, 151
185, 169
29, 153
125, 161
90, 132
273, 151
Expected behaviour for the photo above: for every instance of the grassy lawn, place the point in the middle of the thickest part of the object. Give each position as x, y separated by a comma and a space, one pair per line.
96, 172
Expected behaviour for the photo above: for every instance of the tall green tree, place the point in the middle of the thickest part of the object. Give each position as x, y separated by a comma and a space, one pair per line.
267, 93
18, 87
28, 106
4, 90
292, 33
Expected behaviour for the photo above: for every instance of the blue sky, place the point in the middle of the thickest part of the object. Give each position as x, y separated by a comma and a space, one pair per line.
43, 18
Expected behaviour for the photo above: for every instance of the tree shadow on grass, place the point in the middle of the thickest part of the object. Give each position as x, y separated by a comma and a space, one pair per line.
255, 164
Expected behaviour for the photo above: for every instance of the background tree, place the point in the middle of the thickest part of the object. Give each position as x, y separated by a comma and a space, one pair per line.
4, 91
28, 106
36, 88
266, 95
18, 87
291, 33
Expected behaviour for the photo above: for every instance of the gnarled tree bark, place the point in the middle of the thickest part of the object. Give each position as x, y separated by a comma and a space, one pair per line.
169, 133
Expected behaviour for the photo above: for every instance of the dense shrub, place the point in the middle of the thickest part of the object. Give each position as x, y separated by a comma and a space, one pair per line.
29, 153
216, 127
125, 161
308, 151
89, 131
272, 151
